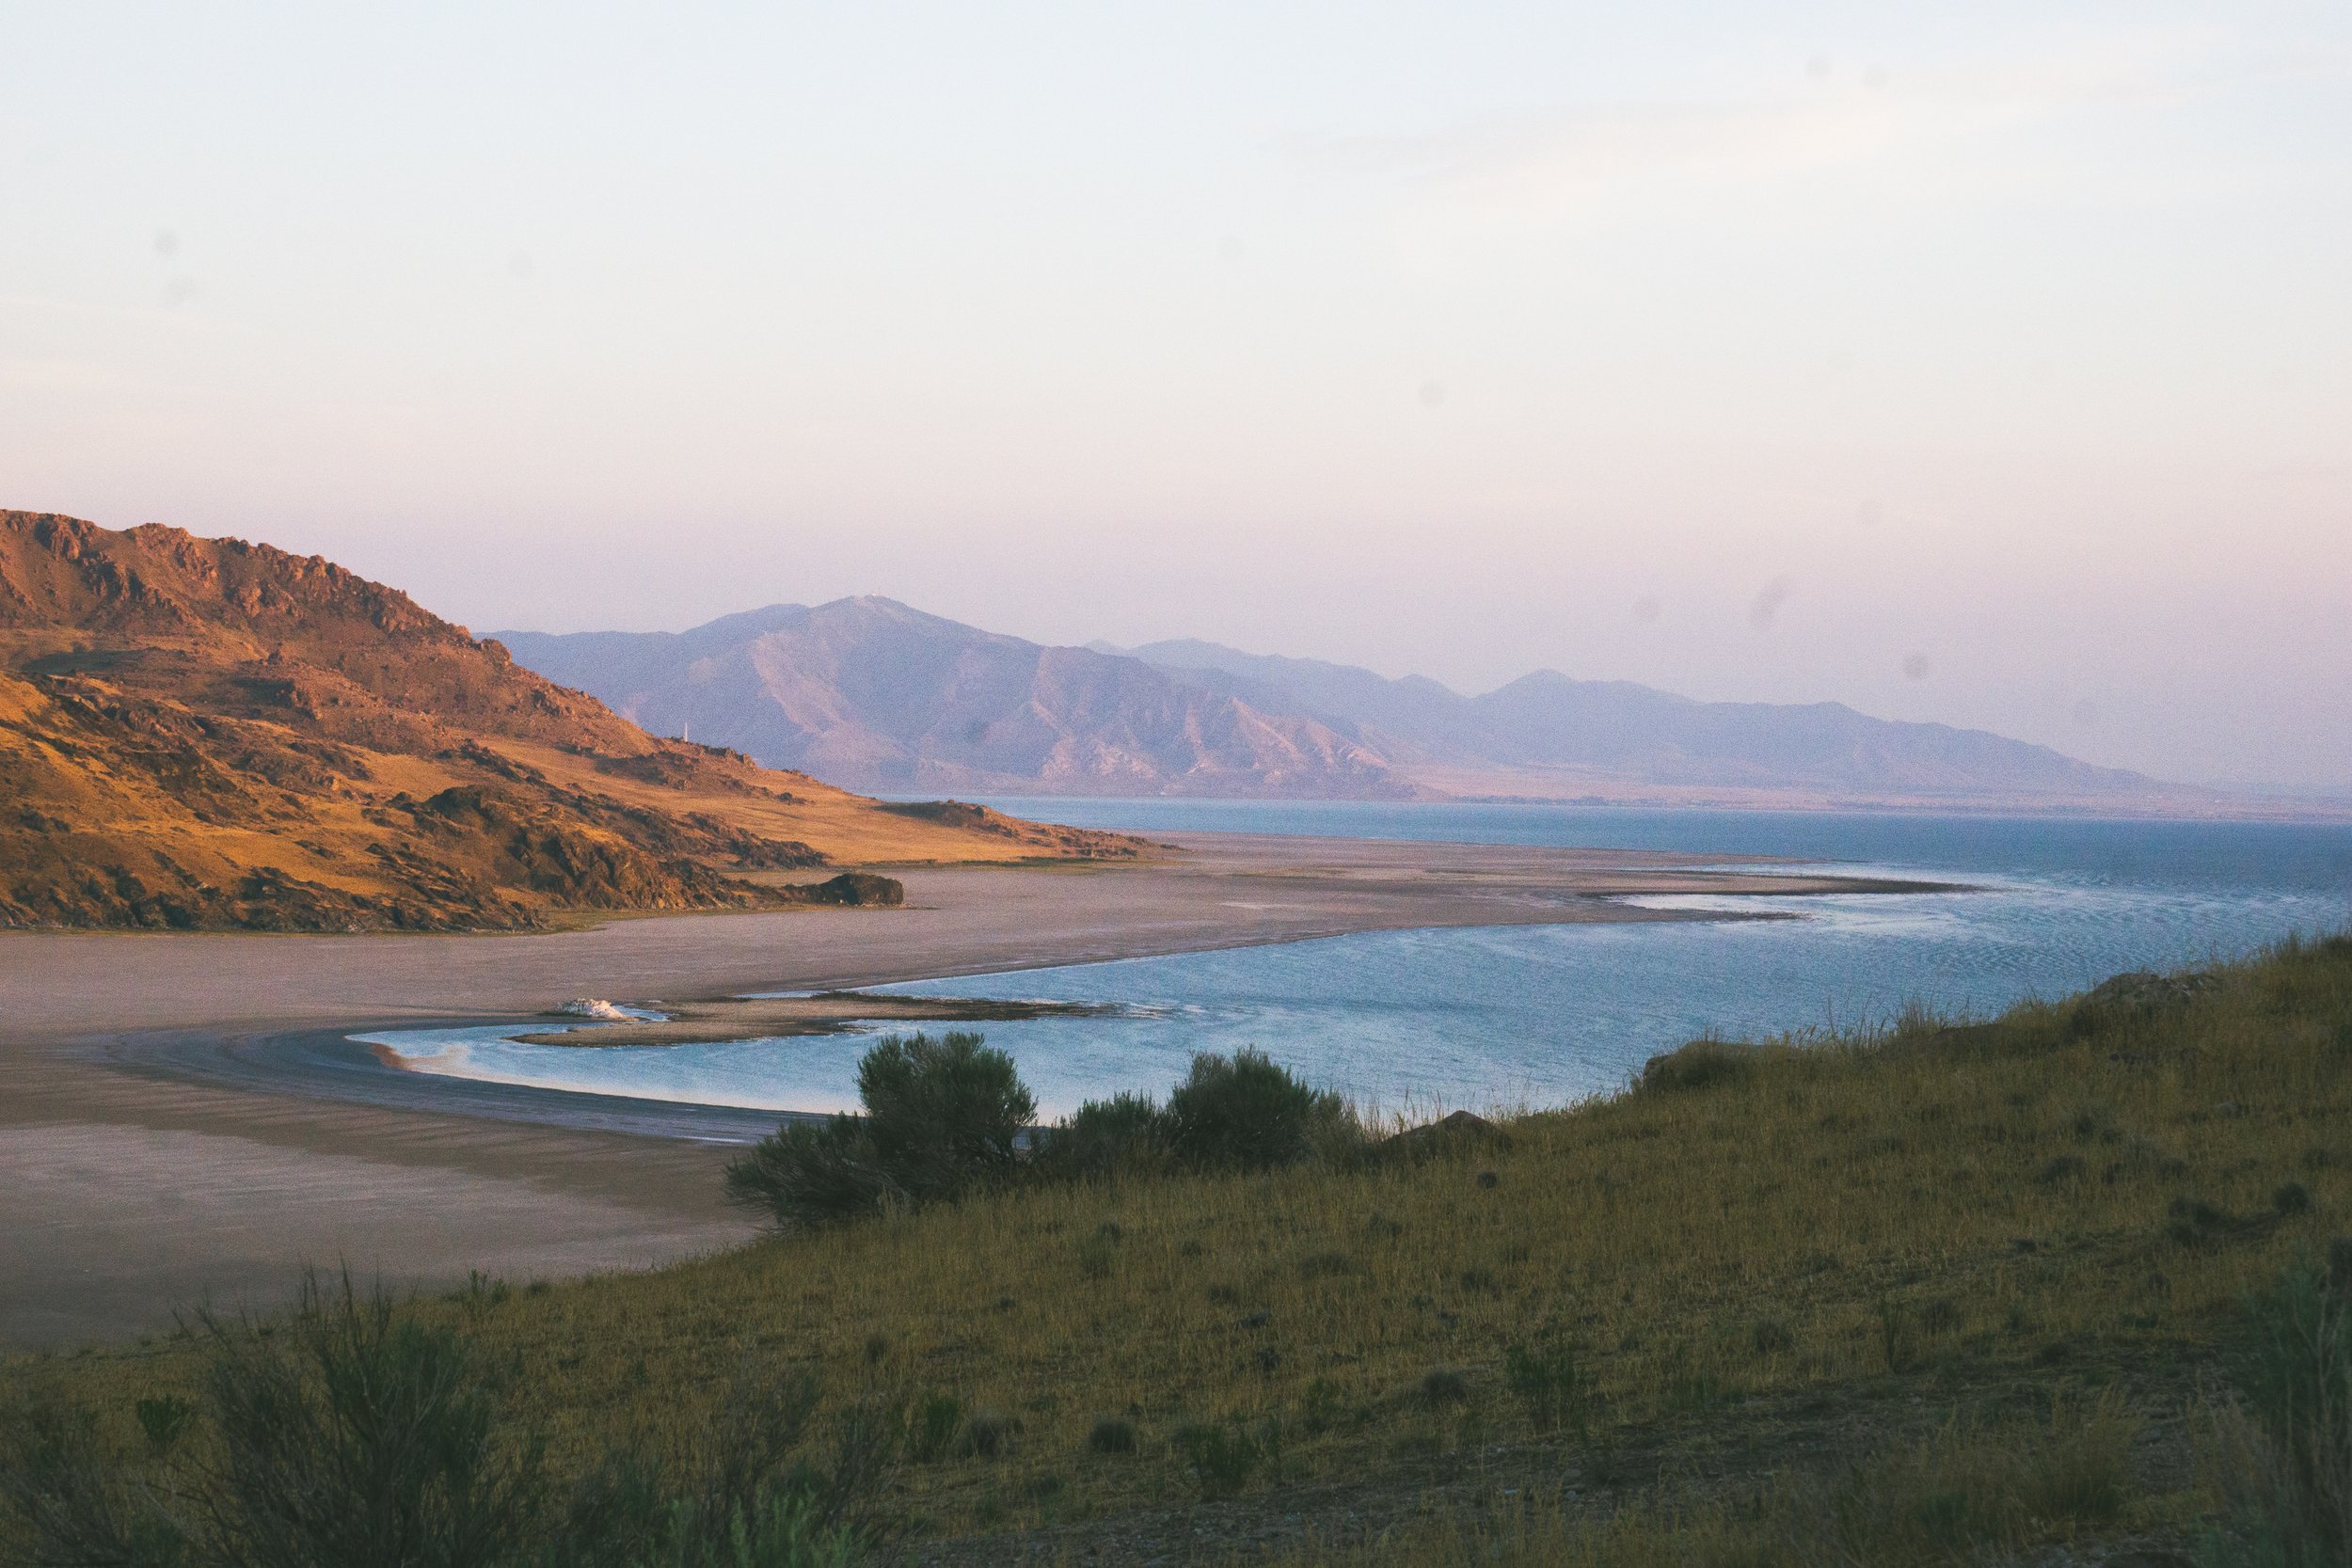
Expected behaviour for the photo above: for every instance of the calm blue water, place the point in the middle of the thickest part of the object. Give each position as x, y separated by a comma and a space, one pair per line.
1538, 1015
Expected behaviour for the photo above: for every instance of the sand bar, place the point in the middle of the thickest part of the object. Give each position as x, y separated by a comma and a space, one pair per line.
129, 1190
825, 1012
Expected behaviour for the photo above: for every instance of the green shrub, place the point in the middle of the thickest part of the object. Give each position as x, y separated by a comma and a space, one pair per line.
945, 1115
356, 1435
934, 1426
350, 1432
745, 1491
1102, 1137
808, 1174
1699, 1065
942, 1117
1550, 1384
163, 1418
1246, 1112
1099, 1253
2289, 1446
1222, 1458
346, 1432
70, 1504
1112, 1435
1444, 1386
989, 1433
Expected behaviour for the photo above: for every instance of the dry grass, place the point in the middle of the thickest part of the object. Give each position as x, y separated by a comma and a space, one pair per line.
847, 829
1955, 1496
1940, 1209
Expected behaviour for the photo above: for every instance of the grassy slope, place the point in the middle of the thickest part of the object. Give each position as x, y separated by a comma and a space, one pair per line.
1808, 1245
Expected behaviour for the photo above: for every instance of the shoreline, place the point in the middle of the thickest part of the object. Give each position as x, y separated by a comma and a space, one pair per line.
1230, 889
157, 1152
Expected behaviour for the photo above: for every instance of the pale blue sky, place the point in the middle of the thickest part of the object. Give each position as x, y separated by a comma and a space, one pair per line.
1990, 363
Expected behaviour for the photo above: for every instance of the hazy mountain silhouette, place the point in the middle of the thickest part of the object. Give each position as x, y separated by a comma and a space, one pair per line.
869, 689
870, 694
1636, 733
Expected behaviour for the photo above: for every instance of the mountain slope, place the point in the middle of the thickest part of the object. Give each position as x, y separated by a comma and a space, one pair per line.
202, 733
869, 693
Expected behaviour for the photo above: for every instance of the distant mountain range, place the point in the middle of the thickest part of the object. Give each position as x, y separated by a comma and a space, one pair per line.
870, 694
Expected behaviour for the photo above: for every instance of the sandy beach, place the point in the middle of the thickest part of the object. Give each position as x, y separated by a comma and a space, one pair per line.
129, 1188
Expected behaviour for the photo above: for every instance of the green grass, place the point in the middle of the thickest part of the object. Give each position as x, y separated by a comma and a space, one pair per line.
1998, 1219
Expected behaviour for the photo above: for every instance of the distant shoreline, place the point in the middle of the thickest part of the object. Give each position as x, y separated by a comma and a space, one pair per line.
2251, 810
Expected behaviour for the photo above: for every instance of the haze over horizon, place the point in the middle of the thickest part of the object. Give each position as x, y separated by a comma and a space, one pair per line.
1990, 367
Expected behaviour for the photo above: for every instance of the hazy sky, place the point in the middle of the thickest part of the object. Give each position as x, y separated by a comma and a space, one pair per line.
1985, 363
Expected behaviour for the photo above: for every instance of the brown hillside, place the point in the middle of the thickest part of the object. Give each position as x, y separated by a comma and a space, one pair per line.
204, 732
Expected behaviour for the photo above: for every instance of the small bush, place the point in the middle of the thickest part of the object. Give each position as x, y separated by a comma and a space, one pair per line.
163, 1418
1701, 1064
1096, 1255
746, 1491
988, 1434
944, 1114
2191, 1221
809, 1174
70, 1504
1222, 1458
348, 1432
358, 1435
1551, 1385
1246, 1112
941, 1120
932, 1426
2288, 1447
1102, 1138
1444, 1386
1112, 1435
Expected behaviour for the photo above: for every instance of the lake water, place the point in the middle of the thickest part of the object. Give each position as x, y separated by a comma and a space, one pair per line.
1511, 1016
